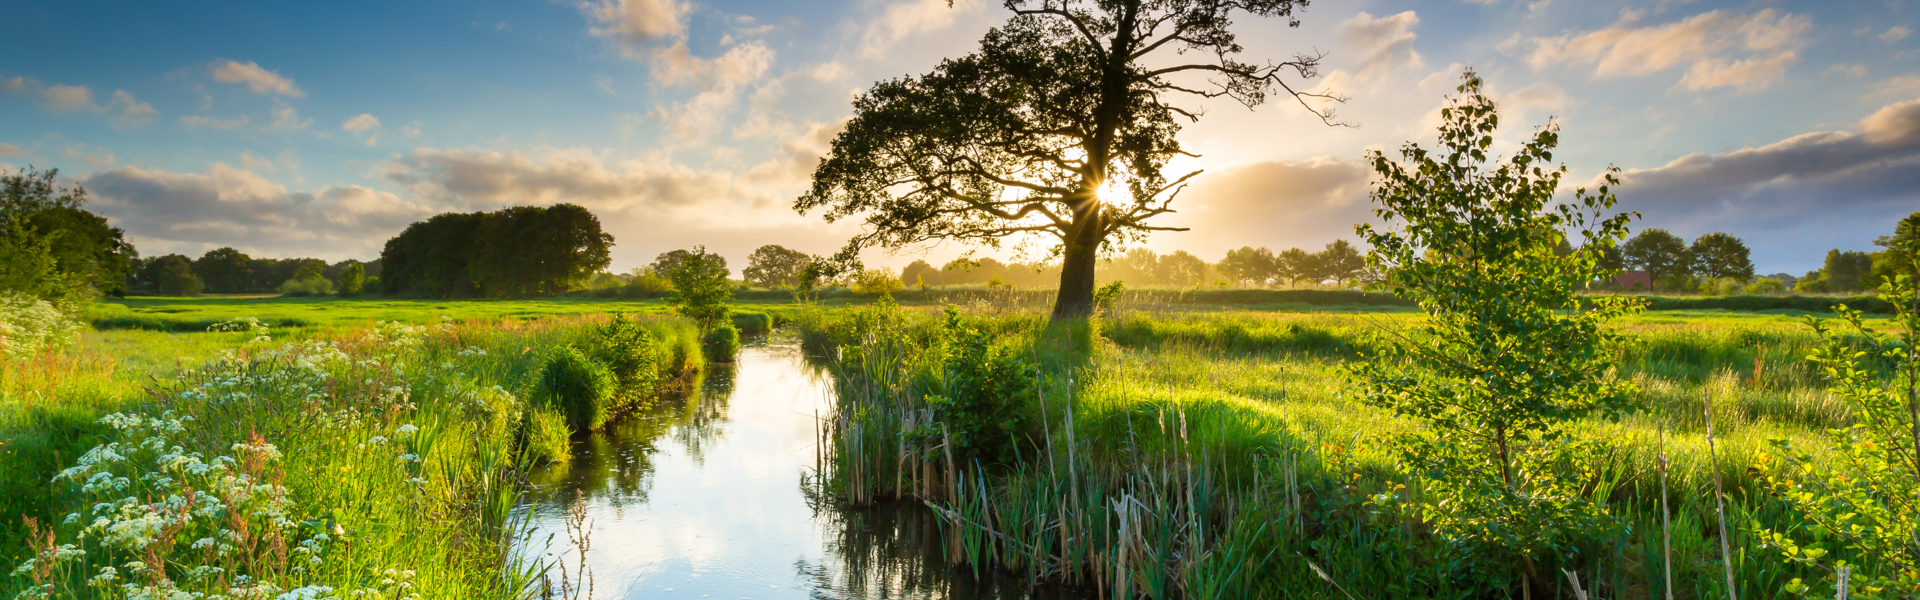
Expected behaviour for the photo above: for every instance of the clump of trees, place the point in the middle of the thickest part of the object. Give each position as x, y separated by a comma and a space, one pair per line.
229, 271
51, 247
1853, 270
1714, 263
516, 251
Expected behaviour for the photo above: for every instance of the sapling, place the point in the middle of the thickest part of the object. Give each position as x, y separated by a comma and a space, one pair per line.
1510, 355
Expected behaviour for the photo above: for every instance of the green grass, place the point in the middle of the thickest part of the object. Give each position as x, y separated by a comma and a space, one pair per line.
399, 448
1225, 426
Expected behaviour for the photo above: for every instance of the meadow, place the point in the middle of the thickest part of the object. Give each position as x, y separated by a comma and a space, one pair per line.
1221, 454
1174, 448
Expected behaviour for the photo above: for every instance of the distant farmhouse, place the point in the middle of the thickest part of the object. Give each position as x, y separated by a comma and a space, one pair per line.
1634, 279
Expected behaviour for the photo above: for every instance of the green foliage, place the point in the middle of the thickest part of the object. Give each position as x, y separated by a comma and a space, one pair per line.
516, 251
753, 322
634, 356
876, 281
1509, 356
1859, 506
578, 385
1105, 298
775, 266
1720, 255
700, 286
983, 394
310, 286
85, 247
51, 248
1659, 253
1766, 285
353, 279
721, 343
27, 266
530, 250
548, 439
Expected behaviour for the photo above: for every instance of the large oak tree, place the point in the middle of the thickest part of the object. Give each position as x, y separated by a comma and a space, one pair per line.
1068, 98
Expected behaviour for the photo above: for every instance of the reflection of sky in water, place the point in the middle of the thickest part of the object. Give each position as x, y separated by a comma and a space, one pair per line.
702, 498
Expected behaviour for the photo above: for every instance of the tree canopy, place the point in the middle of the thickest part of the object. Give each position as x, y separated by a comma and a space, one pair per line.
1658, 252
52, 248
516, 251
1059, 125
775, 266
1721, 255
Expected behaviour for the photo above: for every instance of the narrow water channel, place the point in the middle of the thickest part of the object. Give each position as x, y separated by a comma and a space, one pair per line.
704, 498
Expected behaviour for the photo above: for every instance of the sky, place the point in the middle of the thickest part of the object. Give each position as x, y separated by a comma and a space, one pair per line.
323, 129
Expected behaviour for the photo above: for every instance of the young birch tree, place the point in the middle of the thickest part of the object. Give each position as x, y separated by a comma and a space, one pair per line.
1509, 355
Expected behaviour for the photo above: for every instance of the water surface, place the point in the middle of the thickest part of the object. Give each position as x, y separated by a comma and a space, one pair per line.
703, 498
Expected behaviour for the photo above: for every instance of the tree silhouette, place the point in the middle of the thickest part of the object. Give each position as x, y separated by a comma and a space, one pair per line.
1060, 124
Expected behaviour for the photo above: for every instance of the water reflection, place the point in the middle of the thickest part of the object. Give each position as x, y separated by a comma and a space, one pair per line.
702, 497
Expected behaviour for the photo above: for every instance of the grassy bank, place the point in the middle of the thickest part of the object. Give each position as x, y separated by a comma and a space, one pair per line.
1220, 455
325, 460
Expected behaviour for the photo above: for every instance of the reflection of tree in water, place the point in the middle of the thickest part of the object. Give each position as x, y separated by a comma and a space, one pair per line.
613, 466
700, 420
895, 551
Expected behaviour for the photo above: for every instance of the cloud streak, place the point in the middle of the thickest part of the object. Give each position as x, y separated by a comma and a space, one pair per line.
1718, 48
260, 80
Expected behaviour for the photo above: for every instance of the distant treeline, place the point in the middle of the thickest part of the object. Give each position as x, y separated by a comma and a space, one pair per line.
1720, 264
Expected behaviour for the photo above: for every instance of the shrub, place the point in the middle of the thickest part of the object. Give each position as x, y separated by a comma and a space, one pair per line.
579, 386
633, 356
680, 347
753, 322
877, 281
983, 396
548, 438
311, 286
1766, 285
721, 343
1721, 286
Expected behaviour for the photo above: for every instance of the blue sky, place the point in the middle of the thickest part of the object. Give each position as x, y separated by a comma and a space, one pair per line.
321, 129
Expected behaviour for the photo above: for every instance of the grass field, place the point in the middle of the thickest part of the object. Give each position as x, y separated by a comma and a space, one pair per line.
1222, 432
1219, 454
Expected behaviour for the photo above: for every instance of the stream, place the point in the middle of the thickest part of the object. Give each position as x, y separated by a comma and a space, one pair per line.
704, 497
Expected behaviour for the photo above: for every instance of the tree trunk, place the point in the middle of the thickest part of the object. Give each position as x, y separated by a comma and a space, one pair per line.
1079, 254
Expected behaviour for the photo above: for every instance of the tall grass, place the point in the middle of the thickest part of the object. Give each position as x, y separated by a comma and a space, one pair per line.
1216, 455
381, 460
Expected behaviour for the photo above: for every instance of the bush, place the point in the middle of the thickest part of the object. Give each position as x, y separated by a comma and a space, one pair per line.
633, 356
548, 437
1767, 285
877, 281
753, 322
311, 286
1721, 286
983, 399
721, 343
578, 386
680, 347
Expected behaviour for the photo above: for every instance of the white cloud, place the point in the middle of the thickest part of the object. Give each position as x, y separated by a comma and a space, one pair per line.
126, 110
1720, 49
285, 118
1815, 188
92, 159
258, 79
7, 150
901, 22
1901, 86
361, 123
194, 212
195, 121
721, 81
637, 24
1383, 44
1895, 34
